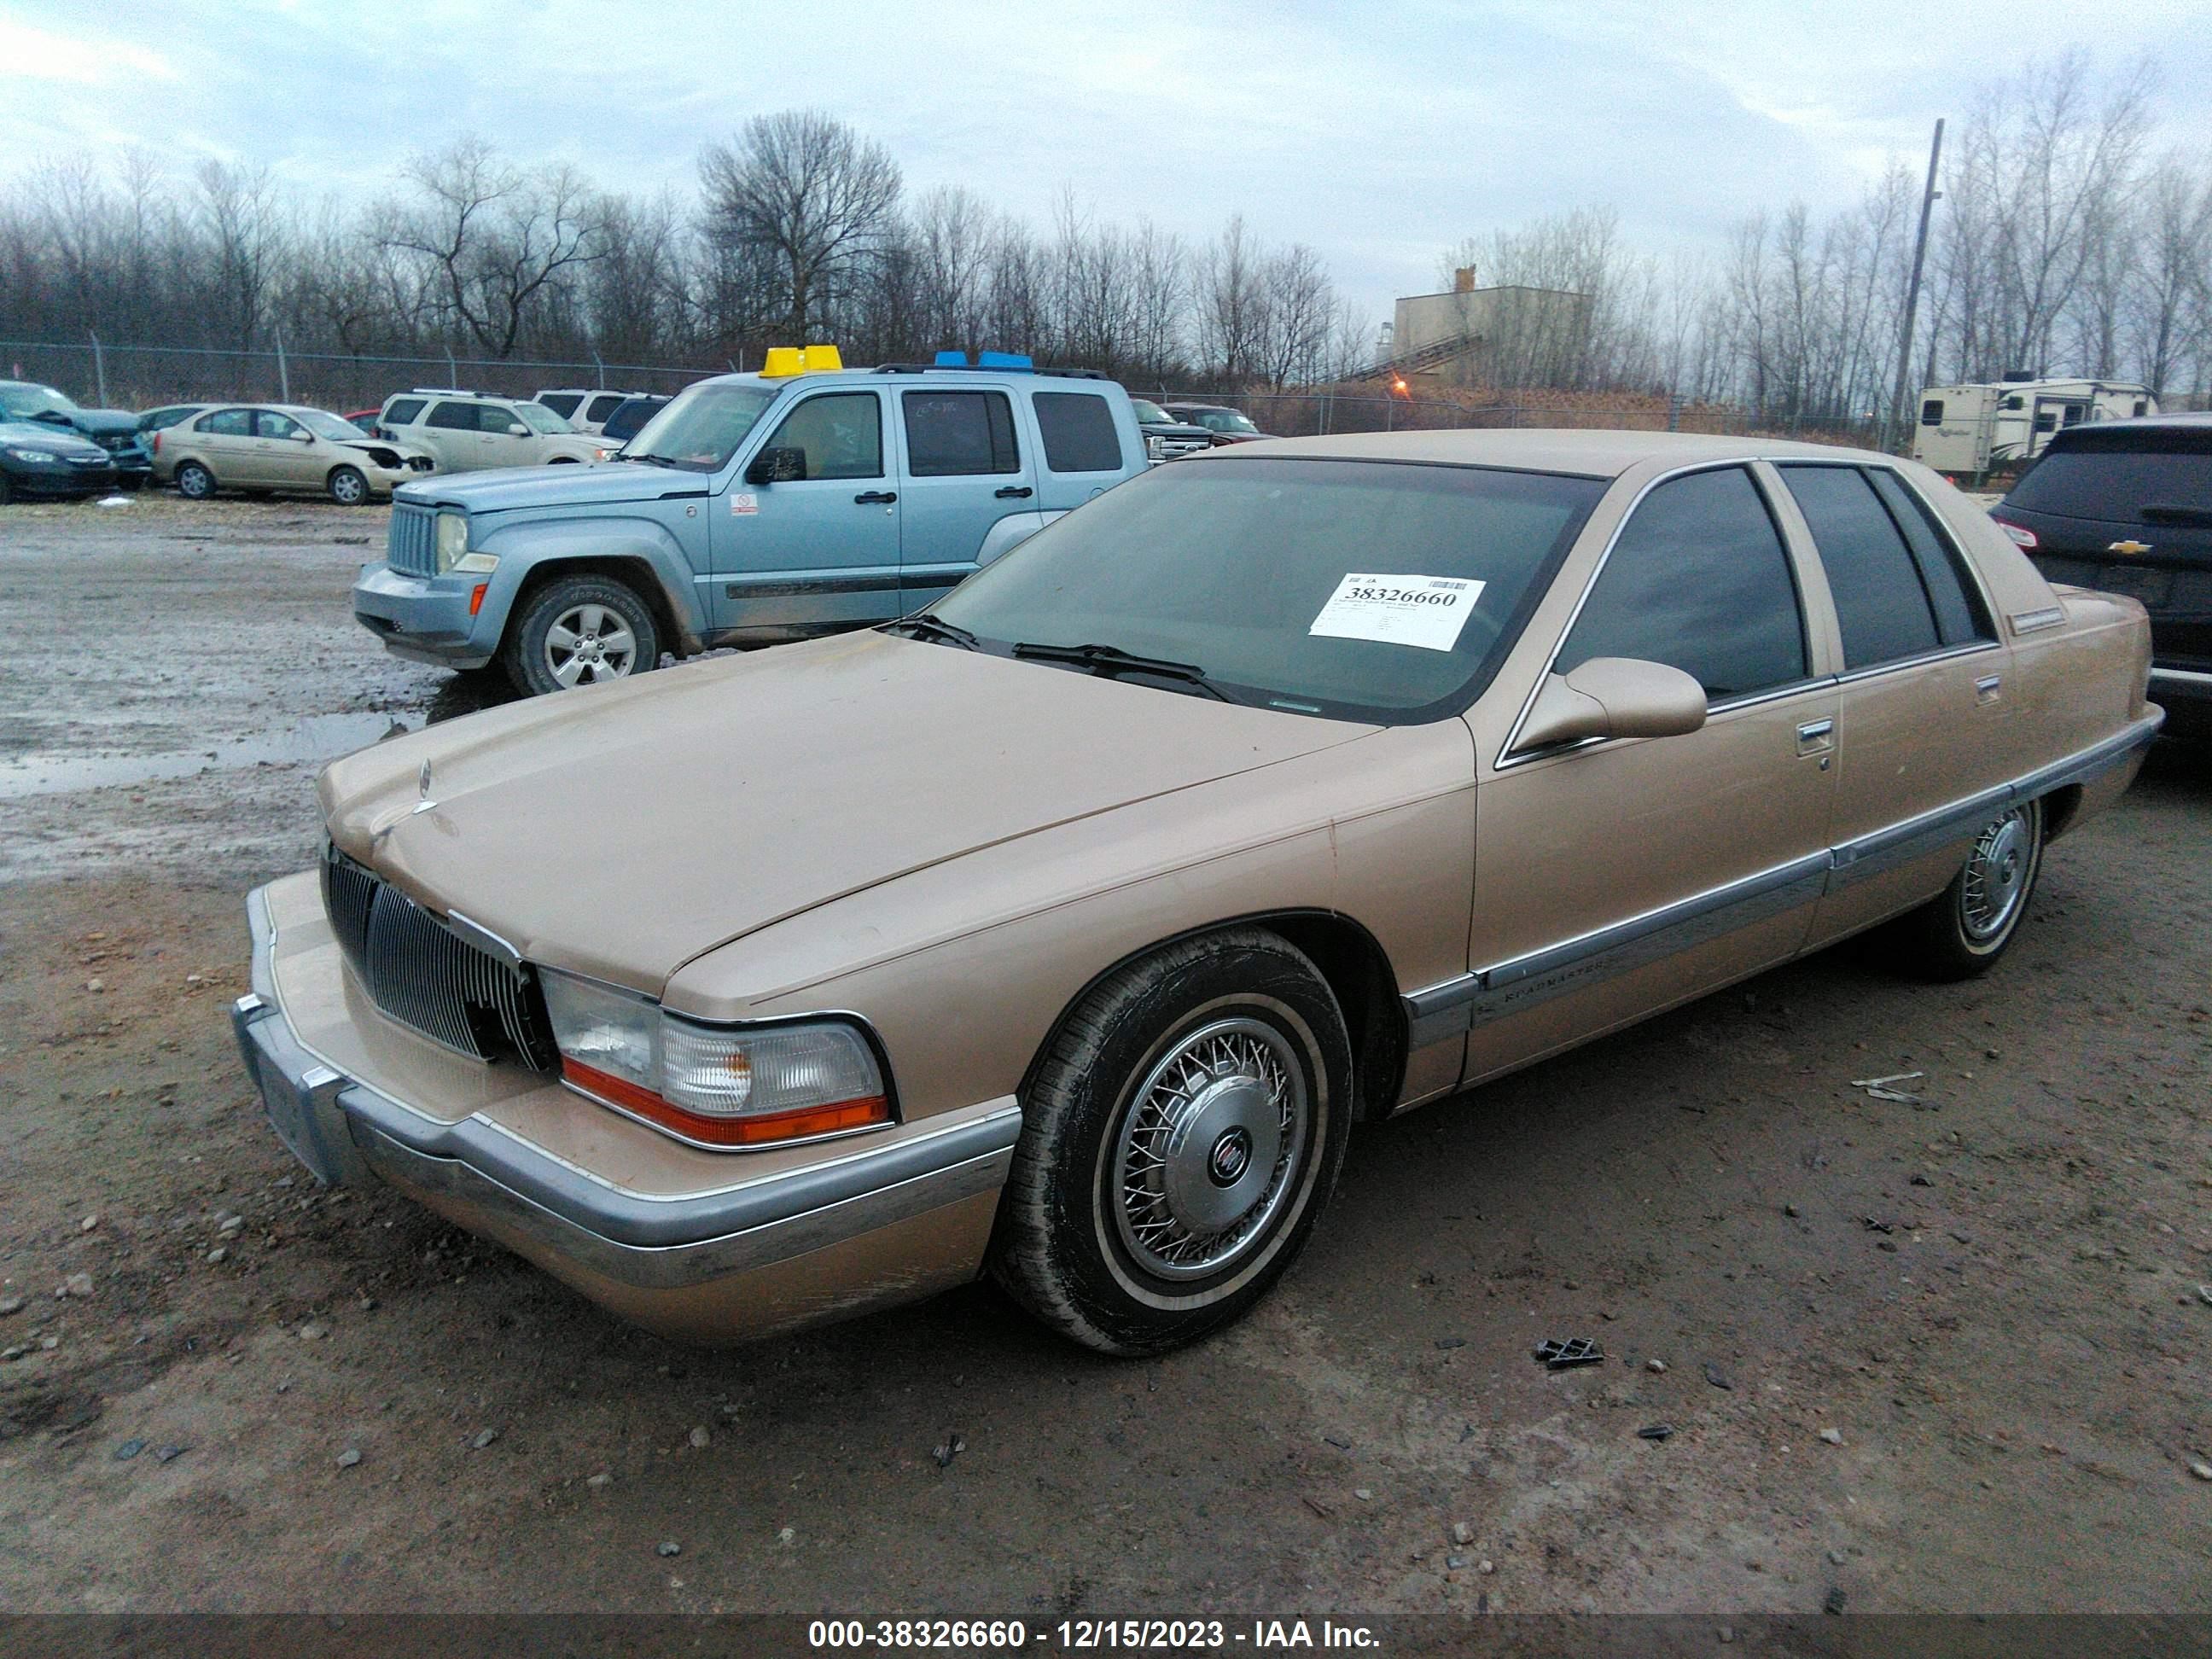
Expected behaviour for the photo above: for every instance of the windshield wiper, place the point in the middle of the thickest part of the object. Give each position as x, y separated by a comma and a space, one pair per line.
648, 458
928, 625
1111, 660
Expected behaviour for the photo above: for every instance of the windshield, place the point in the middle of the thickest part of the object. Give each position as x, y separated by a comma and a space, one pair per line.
324, 425
20, 403
1222, 420
1357, 590
539, 418
703, 427
1149, 413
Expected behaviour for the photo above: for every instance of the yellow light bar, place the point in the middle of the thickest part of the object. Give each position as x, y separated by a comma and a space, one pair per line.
784, 362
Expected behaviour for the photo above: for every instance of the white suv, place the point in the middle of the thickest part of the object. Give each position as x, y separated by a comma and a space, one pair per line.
468, 432
584, 408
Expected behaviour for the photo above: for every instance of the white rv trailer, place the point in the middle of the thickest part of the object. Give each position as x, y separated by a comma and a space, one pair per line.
1997, 428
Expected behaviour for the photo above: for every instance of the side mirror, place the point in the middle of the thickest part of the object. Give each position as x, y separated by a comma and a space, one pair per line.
518, 430
305, 438
53, 416
1613, 697
777, 466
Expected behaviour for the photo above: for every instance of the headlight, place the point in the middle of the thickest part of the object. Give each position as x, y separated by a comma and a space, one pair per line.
35, 456
714, 1086
452, 539
453, 553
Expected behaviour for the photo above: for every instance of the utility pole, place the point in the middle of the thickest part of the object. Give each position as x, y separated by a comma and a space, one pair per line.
1897, 426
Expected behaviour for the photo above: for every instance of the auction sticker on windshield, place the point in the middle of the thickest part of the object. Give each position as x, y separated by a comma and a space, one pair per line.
1427, 611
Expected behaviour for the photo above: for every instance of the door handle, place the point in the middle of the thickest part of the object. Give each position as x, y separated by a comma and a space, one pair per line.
868, 497
1988, 688
1816, 737
1012, 493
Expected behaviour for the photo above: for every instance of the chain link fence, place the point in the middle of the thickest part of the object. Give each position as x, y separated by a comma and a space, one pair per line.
143, 376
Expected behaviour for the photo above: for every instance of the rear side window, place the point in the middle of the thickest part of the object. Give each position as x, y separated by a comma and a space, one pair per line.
452, 418
1931, 412
1880, 601
226, 423
2115, 475
1077, 427
841, 432
949, 434
402, 411
601, 407
563, 404
1698, 580
1960, 617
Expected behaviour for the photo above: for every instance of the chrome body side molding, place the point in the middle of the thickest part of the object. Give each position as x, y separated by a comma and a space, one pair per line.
1439, 1011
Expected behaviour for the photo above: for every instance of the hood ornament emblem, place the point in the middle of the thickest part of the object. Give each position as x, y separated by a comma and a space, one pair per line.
2129, 546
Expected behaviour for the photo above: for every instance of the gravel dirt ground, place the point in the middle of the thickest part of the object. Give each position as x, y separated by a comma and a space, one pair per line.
1949, 1354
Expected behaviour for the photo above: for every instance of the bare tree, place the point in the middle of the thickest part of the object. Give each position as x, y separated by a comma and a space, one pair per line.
242, 222
808, 189
494, 236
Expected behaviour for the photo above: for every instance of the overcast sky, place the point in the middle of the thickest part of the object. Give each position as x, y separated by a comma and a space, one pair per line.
1379, 134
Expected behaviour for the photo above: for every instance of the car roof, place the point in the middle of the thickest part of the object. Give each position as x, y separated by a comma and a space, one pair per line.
1592, 453
2182, 420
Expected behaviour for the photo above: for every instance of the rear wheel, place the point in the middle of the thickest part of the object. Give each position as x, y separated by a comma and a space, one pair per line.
1964, 931
580, 631
348, 486
194, 481
1179, 1139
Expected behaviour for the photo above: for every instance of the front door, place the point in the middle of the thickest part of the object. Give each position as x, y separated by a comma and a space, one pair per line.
283, 452
965, 469
819, 552
504, 438
1616, 878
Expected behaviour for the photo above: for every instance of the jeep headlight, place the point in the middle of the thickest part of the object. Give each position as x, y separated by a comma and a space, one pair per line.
453, 553
715, 1086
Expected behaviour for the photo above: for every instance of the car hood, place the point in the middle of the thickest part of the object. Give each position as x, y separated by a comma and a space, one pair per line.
504, 488
1176, 429
622, 831
30, 434
103, 422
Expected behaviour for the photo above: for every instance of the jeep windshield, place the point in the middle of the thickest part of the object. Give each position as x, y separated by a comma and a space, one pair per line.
703, 427
1354, 589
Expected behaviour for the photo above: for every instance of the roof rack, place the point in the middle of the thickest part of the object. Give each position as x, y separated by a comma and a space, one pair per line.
446, 391
1022, 367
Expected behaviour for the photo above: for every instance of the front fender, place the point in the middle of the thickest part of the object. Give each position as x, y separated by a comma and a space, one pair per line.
526, 548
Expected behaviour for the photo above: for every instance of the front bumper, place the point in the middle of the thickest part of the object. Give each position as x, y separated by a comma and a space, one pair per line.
61, 481
422, 618
861, 1224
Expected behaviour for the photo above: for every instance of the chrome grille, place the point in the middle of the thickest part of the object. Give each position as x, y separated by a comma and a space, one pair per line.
417, 970
412, 546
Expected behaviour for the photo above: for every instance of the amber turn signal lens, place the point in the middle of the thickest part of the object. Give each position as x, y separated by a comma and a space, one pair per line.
762, 1129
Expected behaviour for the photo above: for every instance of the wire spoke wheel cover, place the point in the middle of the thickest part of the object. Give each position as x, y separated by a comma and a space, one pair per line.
1995, 881
1207, 1152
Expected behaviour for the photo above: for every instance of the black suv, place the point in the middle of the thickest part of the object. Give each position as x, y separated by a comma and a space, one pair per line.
2126, 507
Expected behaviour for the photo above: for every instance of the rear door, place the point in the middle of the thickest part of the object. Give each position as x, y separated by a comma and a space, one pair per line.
966, 466
1923, 728
223, 440
821, 552
450, 431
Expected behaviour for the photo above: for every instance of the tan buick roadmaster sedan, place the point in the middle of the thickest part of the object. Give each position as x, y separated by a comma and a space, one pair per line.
1063, 931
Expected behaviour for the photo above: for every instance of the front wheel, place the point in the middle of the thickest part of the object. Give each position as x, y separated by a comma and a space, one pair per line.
580, 631
348, 486
194, 481
1963, 930
1179, 1140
